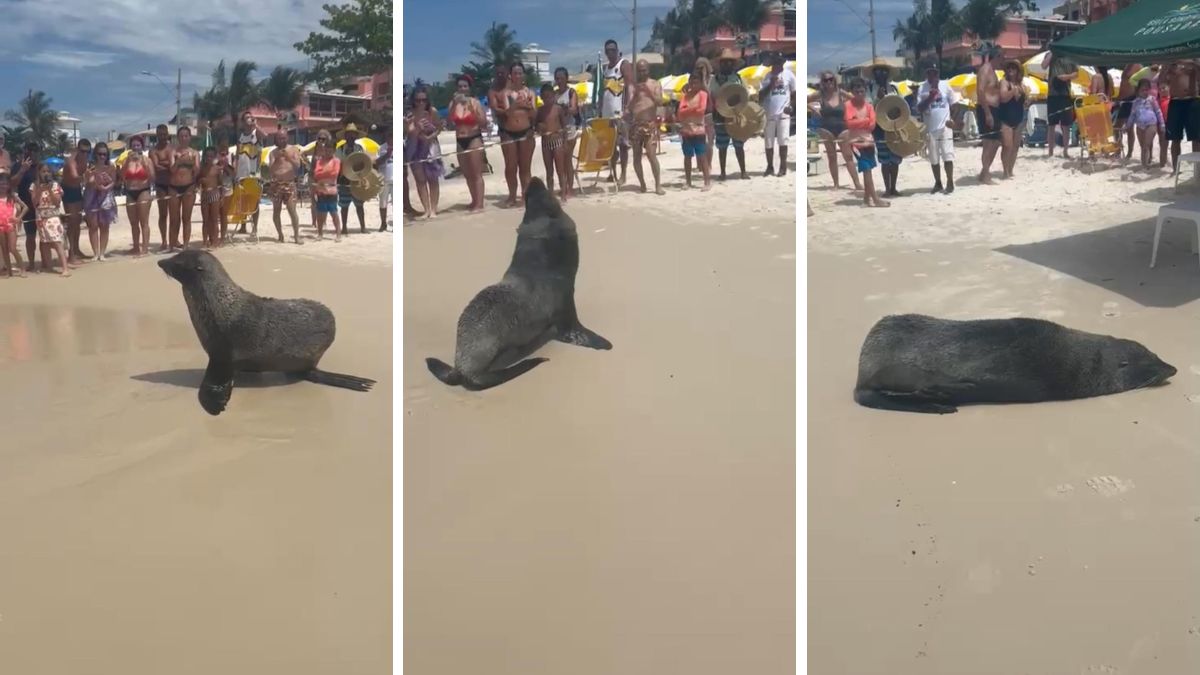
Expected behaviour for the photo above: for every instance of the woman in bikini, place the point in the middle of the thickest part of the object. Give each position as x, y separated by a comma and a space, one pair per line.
569, 100
516, 132
185, 171
136, 176
326, 168
468, 118
423, 151
99, 201
47, 198
12, 211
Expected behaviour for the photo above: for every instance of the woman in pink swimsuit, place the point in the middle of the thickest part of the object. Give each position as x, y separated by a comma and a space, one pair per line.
11, 211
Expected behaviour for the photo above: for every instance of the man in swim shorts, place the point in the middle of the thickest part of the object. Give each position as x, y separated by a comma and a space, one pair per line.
72, 188
727, 75
1183, 112
284, 169
162, 155
618, 73
346, 197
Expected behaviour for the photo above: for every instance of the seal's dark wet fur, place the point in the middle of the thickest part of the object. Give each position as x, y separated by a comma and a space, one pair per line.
922, 364
533, 303
241, 331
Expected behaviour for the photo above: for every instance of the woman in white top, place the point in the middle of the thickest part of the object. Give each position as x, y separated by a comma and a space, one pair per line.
569, 100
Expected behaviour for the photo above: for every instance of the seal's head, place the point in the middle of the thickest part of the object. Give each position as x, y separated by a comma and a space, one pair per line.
1138, 367
188, 267
544, 216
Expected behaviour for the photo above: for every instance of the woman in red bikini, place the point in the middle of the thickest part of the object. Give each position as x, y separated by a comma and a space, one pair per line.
468, 118
136, 177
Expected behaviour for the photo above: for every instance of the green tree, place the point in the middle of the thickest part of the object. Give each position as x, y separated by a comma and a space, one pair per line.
945, 24
986, 19
499, 45
283, 89
912, 34
745, 17
699, 18
39, 120
360, 43
14, 137
672, 31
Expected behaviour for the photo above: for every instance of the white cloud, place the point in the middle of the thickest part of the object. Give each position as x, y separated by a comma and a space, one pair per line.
71, 59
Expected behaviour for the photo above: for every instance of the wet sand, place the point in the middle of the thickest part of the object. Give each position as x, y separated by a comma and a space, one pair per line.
628, 511
142, 536
1046, 538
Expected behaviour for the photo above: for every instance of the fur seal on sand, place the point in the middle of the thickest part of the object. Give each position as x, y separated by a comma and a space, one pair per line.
241, 331
533, 303
918, 363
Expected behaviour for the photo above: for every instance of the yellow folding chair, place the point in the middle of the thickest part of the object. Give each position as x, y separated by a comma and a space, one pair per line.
597, 144
1094, 116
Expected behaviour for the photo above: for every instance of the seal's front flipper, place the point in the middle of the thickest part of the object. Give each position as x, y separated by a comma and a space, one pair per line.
217, 386
491, 378
578, 335
904, 401
339, 380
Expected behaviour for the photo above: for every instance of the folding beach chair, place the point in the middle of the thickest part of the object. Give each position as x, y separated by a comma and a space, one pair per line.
597, 144
1094, 116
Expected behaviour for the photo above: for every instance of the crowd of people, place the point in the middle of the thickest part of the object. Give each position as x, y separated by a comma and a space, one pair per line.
629, 99
1153, 105
54, 207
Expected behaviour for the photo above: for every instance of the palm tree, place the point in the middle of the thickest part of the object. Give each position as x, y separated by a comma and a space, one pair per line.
499, 45
673, 33
744, 17
912, 34
945, 23
283, 89
37, 117
985, 19
700, 18
14, 137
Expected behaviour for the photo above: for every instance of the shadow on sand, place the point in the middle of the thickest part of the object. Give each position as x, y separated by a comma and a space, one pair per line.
190, 378
1118, 259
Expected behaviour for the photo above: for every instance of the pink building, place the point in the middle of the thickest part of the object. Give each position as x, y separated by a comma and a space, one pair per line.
777, 33
1090, 11
1022, 38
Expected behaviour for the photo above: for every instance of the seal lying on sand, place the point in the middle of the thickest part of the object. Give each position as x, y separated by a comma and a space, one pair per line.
244, 332
533, 304
921, 364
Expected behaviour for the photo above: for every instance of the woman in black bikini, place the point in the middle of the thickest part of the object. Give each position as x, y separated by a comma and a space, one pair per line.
833, 123
516, 132
1011, 114
184, 175
468, 118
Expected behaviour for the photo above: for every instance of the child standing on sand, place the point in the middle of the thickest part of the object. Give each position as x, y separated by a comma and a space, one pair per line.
551, 122
860, 123
227, 171
11, 212
1147, 117
47, 199
211, 197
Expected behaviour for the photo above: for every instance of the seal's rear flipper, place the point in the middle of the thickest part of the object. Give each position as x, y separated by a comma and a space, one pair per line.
903, 402
217, 386
491, 378
578, 335
443, 372
339, 380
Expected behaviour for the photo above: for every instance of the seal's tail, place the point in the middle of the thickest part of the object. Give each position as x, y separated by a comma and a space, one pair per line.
481, 381
339, 380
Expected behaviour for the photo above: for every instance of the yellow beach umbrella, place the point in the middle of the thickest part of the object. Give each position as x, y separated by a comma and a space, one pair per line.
906, 87
964, 84
752, 76
584, 90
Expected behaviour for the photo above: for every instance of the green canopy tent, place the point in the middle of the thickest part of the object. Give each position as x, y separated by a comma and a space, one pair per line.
1149, 31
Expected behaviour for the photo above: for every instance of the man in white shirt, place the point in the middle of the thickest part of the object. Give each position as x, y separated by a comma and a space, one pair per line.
384, 165
778, 97
934, 99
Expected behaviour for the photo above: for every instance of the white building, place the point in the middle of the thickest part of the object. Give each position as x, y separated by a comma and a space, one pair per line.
537, 60
67, 125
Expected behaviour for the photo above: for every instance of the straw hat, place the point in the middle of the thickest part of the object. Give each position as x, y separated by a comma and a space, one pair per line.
878, 63
351, 127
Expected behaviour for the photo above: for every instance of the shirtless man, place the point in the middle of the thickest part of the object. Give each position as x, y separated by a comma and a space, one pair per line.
1183, 112
642, 120
162, 155
72, 187
988, 93
284, 169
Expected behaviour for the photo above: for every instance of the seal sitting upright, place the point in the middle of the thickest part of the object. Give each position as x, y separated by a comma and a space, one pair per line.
244, 332
533, 303
917, 363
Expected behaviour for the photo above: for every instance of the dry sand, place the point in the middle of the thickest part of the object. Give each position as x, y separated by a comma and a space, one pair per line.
1048, 538
629, 511
138, 535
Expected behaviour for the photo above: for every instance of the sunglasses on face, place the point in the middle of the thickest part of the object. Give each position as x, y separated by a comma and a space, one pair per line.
828, 79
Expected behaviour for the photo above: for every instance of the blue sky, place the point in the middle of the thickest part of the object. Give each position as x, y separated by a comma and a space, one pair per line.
838, 34
87, 55
438, 35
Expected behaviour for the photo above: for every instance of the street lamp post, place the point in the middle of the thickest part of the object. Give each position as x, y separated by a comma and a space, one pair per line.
177, 92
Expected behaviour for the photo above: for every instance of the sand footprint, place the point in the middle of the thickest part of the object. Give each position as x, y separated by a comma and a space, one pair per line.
1111, 311
920, 275
1109, 486
1195, 369
1193, 398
